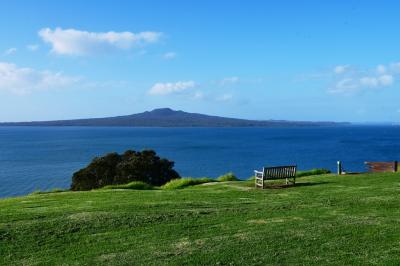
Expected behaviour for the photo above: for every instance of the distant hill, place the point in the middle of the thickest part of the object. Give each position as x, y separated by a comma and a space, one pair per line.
166, 117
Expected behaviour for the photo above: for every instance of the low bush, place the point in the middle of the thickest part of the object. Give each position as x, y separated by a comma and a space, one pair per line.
54, 190
137, 185
57, 190
227, 177
186, 182
313, 172
37, 192
251, 178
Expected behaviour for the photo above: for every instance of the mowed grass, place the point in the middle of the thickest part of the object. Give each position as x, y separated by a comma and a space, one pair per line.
132, 185
326, 219
186, 182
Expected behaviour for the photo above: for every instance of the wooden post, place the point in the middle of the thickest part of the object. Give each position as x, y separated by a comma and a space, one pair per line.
395, 166
339, 167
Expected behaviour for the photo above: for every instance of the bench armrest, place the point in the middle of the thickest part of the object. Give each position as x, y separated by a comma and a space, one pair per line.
258, 174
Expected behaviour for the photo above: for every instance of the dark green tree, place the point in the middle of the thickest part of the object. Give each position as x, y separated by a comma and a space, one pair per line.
130, 166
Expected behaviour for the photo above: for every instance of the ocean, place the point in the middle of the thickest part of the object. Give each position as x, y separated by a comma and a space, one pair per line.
42, 158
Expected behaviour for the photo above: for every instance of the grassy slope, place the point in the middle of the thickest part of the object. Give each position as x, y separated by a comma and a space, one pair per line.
325, 219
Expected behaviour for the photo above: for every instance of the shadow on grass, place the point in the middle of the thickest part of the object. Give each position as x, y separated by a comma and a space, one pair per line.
304, 184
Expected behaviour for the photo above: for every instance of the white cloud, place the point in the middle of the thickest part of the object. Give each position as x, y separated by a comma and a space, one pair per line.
198, 95
32, 47
344, 85
394, 68
386, 80
370, 82
76, 42
26, 80
10, 51
381, 69
225, 97
229, 81
170, 88
340, 69
352, 85
350, 82
169, 55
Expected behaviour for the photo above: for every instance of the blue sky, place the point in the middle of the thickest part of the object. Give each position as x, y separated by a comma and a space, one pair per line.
296, 60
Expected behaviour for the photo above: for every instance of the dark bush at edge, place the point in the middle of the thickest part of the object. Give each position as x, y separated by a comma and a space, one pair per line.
115, 169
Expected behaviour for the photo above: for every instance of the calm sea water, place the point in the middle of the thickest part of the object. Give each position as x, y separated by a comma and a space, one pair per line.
33, 158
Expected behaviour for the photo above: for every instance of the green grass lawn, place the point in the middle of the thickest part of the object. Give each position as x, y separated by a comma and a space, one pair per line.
325, 219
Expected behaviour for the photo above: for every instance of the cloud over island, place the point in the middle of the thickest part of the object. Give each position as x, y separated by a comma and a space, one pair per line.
171, 87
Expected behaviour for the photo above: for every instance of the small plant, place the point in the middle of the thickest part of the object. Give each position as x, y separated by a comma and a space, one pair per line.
186, 182
313, 172
137, 185
227, 177
57, 190
251, 178
37, 192
54, 190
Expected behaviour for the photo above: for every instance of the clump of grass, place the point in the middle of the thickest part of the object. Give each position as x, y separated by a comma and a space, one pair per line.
186, 182
37, 192
227, 177
54, 190
313, 172
251, 178
137, 185
57, 190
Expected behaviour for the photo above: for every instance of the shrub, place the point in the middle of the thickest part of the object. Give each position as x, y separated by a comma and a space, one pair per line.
138, 185
37, 192
227, 177
313, 172
186, 182
57, 190
251, 178
54, 190
116, 169
100, 172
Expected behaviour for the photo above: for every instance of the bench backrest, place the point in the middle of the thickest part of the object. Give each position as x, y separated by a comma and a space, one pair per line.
377, 167
280, 172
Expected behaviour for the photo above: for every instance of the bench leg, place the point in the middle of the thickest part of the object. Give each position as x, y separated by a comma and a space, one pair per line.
259, 183
293, 182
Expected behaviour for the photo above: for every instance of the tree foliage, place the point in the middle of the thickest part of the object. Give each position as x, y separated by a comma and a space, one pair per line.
114, 169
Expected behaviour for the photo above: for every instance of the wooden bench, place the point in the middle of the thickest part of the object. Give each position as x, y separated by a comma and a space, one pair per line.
380, 167
273, 173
